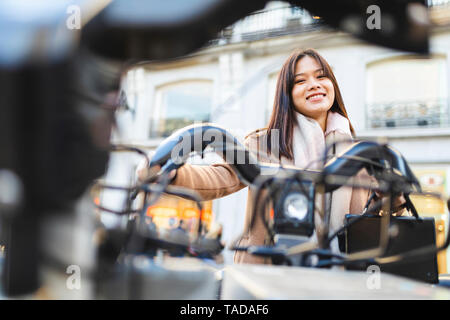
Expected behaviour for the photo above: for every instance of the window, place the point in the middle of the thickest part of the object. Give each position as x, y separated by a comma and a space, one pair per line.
407, 92
169, 211
180, 104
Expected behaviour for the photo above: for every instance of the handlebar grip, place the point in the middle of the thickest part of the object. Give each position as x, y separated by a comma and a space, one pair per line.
376, 155
174, 150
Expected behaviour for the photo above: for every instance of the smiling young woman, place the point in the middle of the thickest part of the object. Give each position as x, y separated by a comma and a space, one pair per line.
306, 85
308, 115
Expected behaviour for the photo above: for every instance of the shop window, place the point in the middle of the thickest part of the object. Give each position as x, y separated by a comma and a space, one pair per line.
178, 105
433, 180
169, 211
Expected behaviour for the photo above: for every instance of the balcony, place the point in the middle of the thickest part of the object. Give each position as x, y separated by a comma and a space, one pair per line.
273, 22
409, 114
283, 19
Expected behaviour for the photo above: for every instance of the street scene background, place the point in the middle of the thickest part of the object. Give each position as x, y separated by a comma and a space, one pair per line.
390, 96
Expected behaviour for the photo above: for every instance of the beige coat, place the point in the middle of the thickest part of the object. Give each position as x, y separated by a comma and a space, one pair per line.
219, 180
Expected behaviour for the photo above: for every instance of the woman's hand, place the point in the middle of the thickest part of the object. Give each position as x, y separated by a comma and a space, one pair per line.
144, 173
398, 202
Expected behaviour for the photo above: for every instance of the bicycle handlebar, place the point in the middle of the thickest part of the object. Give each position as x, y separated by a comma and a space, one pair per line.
173, 152
349, 162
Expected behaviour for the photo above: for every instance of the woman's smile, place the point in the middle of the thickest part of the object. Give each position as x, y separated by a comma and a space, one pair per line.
316, 97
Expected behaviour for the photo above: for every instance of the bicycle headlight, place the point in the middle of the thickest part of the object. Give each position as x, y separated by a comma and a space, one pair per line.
294, 208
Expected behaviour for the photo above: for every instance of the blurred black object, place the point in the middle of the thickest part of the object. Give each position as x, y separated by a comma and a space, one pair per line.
58, 89
48, 138
404, 24
56, 114
155, 29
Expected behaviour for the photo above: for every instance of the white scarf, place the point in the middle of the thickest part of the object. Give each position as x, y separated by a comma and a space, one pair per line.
309, 142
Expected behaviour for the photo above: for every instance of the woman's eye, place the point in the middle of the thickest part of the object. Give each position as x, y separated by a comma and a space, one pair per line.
299, 81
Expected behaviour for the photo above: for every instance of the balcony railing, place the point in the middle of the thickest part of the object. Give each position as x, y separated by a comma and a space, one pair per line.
268, 23
437, 3
430, 113
287, 19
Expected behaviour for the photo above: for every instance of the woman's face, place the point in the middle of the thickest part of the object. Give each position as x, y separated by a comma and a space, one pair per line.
312, 93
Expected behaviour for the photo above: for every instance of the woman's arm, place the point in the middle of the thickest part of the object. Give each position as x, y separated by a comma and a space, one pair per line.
211, 182
217, 180
360, 196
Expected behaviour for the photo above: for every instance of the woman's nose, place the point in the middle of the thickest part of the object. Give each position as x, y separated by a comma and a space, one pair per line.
313, 84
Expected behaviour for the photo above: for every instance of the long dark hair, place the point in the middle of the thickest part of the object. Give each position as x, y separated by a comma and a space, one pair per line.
283, 114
